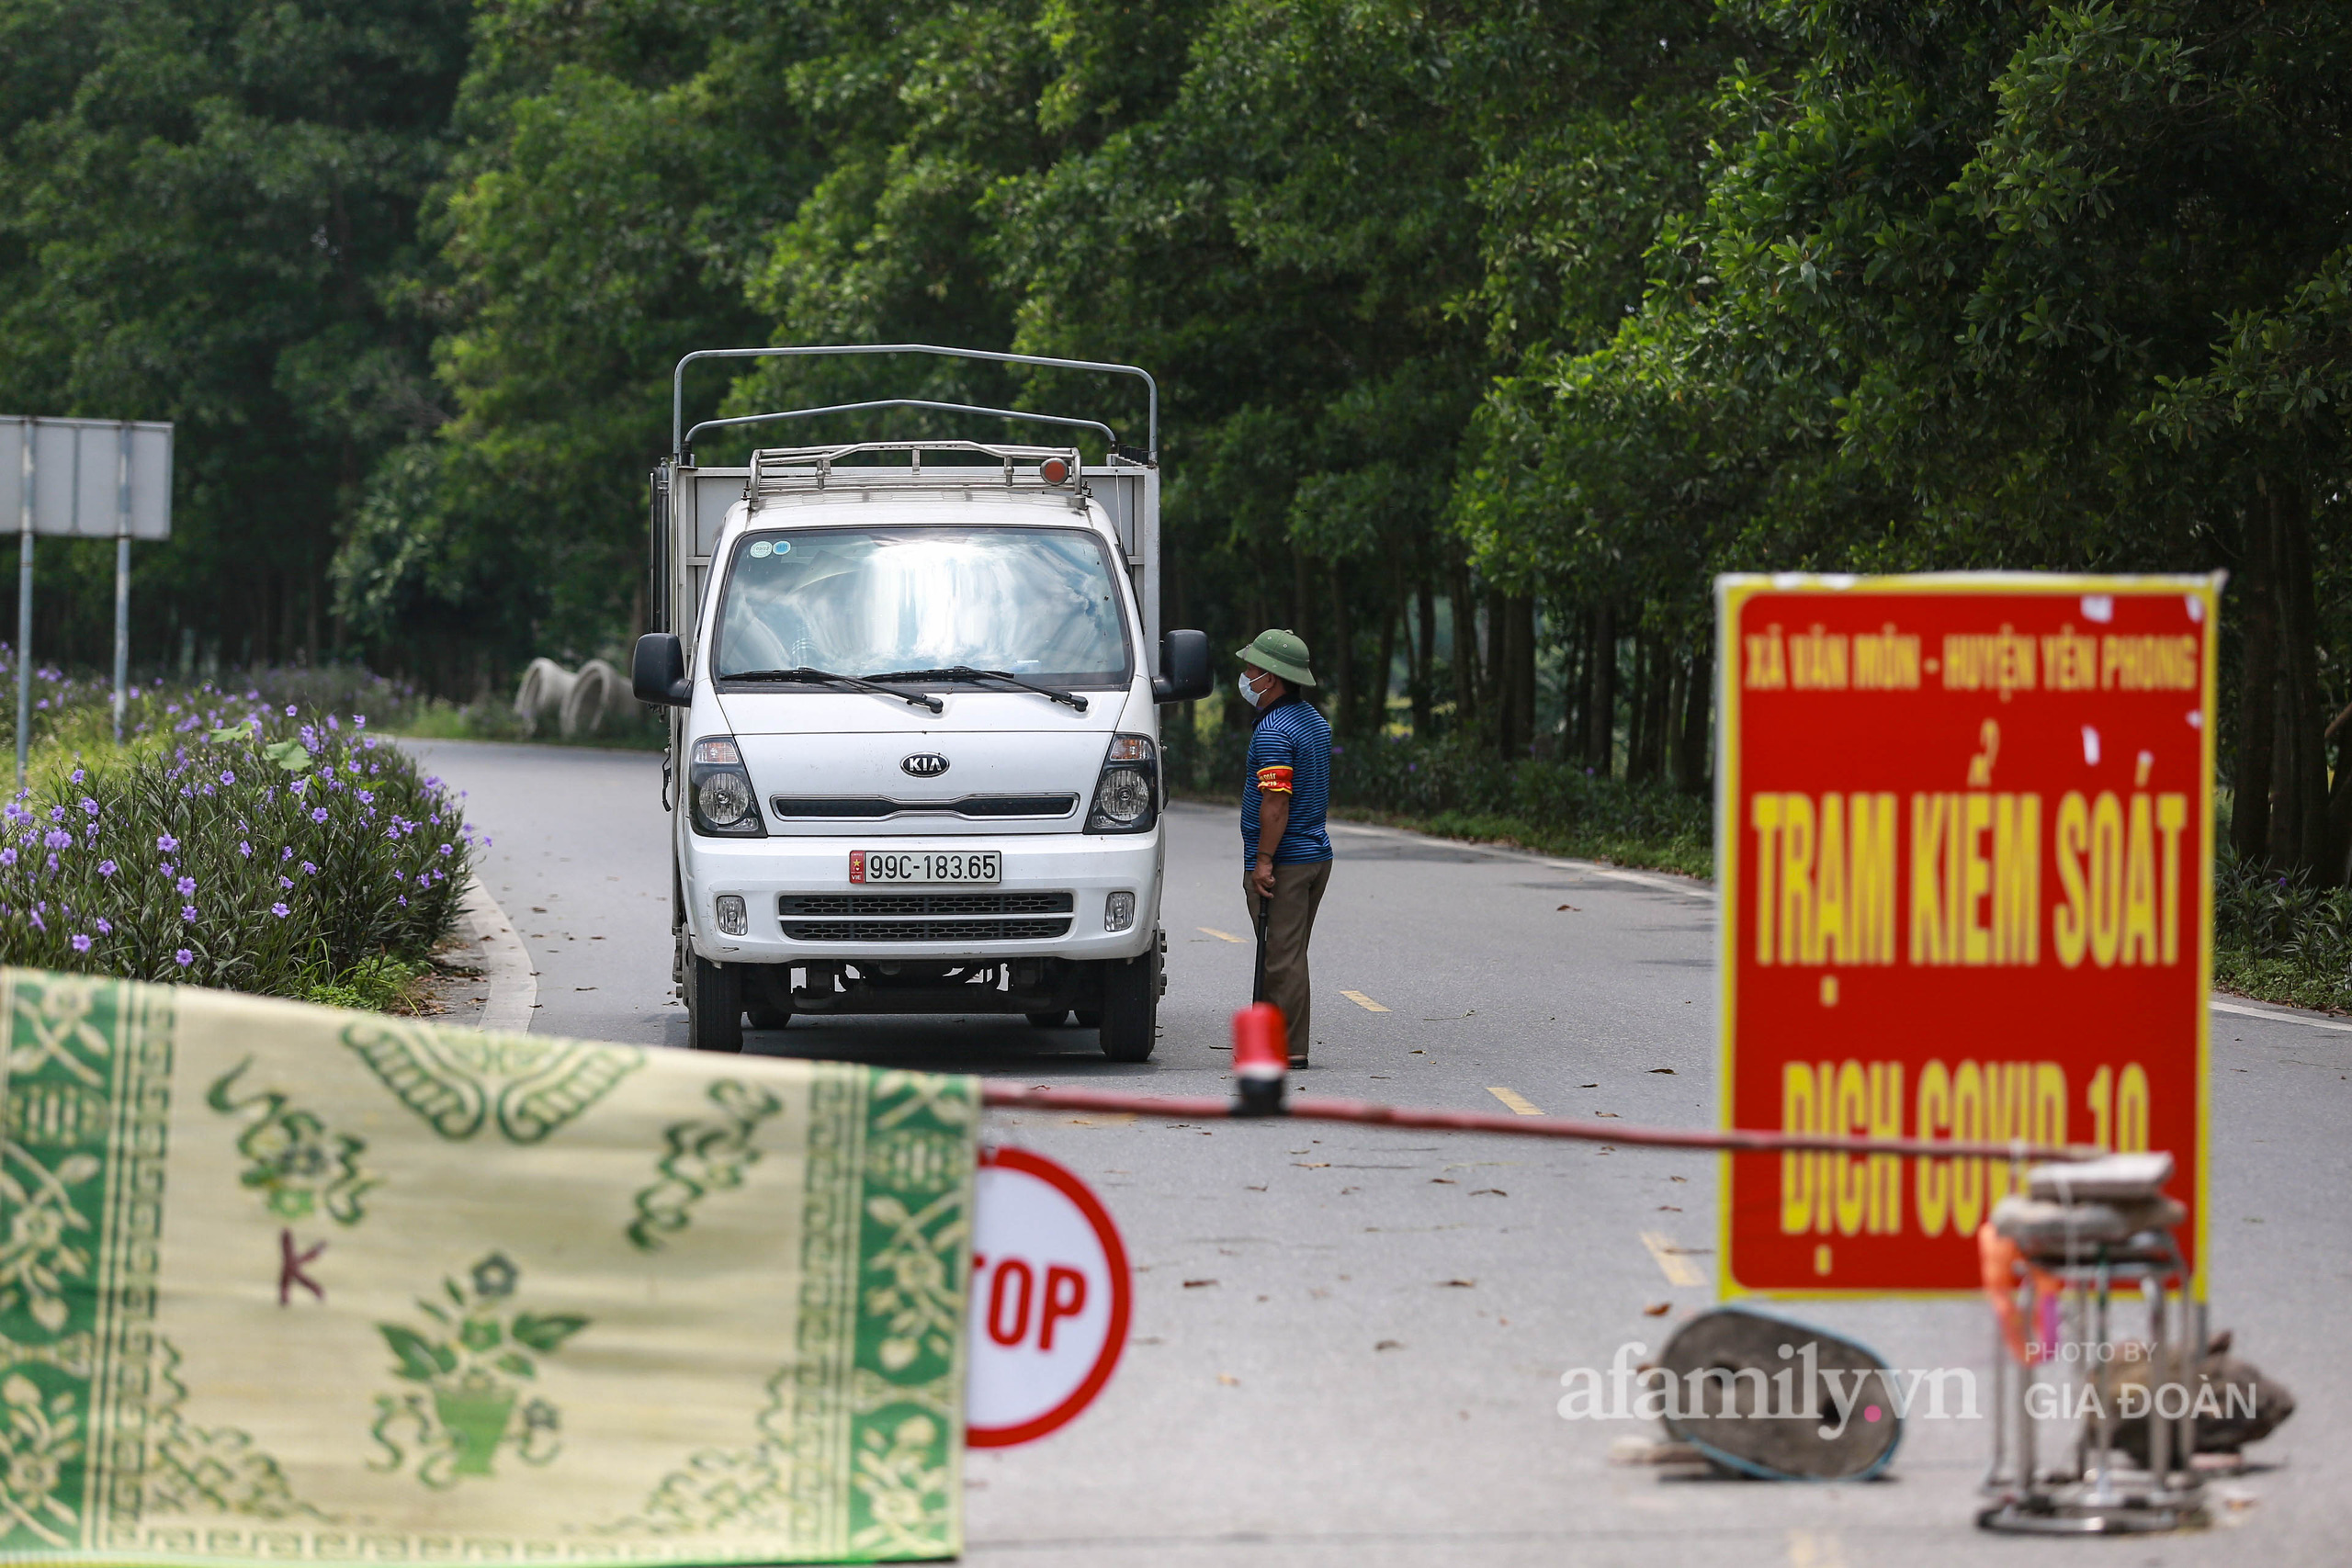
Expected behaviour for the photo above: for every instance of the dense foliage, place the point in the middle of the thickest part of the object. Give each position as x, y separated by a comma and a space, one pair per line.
1467, 792
236, 842
1486, 332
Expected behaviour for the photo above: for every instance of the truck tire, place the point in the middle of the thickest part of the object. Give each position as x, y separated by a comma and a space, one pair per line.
1130, 1025
1046, 1019
713, 1006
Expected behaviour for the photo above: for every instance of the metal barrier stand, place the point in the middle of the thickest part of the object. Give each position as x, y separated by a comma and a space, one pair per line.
2076, 1253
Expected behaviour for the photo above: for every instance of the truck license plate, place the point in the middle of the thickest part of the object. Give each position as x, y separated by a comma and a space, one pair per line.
924, 865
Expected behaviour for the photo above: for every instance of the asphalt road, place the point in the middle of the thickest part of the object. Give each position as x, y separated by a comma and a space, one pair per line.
1348, 1344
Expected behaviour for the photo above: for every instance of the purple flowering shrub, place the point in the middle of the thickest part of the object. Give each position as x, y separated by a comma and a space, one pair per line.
248, 844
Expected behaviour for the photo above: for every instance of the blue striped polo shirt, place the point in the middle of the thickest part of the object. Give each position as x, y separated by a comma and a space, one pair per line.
1290, 751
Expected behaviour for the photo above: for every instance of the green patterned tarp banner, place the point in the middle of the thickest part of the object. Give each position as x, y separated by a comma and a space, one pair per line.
282, 1282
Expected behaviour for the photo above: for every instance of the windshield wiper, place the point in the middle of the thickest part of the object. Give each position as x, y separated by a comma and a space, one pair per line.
966, 672
801, 672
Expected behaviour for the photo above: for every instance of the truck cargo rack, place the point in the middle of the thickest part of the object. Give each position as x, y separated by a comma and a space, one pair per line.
690, 503
1110, 435
678, 379
784, 470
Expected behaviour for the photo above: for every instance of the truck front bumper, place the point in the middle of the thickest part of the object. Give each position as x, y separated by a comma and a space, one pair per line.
763, 872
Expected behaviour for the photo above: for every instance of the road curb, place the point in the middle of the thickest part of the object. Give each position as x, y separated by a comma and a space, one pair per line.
513, 987
2224, 1002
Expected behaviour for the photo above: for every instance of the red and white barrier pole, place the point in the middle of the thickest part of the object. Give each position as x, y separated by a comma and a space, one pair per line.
1261, 1067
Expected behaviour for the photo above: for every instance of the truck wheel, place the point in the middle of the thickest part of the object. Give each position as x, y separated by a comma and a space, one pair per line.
713, 1006
1046, 1019
1130, 1025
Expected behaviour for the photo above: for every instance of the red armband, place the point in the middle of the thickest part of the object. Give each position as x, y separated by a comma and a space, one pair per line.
1275, 780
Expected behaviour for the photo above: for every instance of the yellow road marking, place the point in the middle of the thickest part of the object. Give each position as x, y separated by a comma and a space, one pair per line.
1364, 1001
1221, 936
1678, 1269
1807, 1550
1515, 1102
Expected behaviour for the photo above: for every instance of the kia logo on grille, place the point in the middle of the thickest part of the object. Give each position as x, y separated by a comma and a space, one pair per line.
925, 765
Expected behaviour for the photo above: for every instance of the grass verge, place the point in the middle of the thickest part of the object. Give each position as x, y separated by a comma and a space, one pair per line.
635, 729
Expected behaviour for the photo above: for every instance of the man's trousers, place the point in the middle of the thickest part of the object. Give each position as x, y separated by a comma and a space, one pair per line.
1290, 922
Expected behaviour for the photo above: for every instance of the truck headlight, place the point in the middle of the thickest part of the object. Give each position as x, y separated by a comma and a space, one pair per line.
724, 798
719, 791
1126, 798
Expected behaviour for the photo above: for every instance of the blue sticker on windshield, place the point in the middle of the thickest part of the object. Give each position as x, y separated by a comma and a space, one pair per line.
784, 546
760, 548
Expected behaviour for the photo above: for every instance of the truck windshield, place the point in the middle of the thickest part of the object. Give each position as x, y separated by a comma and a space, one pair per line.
1039, 603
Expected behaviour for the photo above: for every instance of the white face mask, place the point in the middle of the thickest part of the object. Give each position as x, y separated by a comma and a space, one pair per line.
1248, 692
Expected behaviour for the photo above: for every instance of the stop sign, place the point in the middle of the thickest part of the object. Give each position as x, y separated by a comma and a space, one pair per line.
1050, 1298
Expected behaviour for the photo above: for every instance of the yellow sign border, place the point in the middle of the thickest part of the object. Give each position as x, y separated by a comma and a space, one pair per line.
1732, 592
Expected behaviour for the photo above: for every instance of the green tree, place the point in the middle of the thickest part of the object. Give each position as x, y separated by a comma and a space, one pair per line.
202, 210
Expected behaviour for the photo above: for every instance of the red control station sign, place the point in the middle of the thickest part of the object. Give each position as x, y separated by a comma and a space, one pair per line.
1964, 838
1051, 1295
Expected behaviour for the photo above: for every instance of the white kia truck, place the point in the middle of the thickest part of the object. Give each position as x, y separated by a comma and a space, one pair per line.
915, 687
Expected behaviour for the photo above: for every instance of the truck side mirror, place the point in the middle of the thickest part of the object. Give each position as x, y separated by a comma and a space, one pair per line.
657, 671
1184, 659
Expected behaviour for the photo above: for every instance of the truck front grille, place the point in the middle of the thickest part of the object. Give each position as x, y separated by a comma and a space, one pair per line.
924, 931
877, 808
792, 904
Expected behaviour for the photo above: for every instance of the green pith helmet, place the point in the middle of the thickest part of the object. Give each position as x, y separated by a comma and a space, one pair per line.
1282, 653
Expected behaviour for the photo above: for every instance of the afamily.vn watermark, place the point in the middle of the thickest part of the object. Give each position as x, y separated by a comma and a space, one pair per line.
1804, 1389
1801, 1391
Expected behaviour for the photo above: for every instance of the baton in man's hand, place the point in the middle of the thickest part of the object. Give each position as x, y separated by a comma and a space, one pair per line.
1258, 986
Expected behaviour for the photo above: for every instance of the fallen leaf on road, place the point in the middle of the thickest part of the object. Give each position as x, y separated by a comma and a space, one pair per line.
1253, 1189
1459, 1285
1677, 1178
1667, 1071
1608, 1114
1657, 1309
1587, 1086
1228, 1380
1570, 908
1445, 1181
1390, 1345
1491, 1192
1196, 1284
1662, 1207
1312, 1164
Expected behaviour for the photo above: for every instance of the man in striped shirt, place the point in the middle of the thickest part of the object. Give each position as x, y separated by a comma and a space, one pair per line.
1285, 852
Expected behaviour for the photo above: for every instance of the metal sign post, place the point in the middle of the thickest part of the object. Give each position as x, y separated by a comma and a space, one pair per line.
121, 574
24, 588
89, 478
